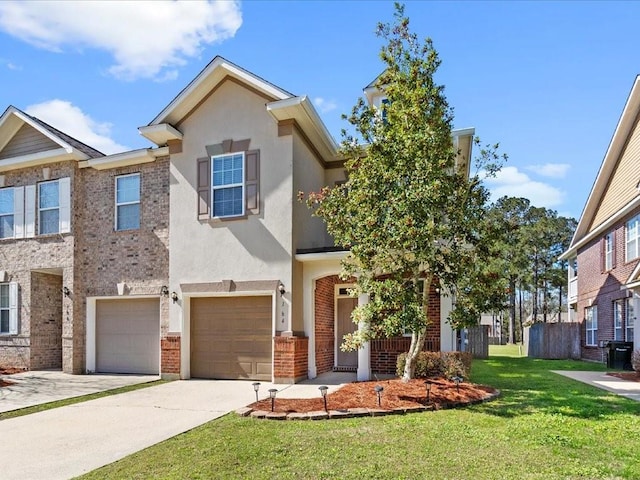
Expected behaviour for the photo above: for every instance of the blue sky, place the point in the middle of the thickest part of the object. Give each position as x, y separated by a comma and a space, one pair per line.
548, 80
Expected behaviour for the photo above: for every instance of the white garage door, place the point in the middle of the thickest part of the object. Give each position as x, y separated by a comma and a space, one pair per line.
231, 338
128, 336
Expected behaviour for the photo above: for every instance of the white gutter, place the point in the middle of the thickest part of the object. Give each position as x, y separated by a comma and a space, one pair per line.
124, 159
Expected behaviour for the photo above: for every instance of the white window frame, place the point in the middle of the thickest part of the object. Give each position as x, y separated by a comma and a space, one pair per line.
630, 317
13, 211
122, 204
48, 209
617, 320
591, 326
608, 251
12, 308
228, 186
632, 239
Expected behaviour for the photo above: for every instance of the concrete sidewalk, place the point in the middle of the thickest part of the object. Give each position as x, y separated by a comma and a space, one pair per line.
37, 387
624, 388
68, 441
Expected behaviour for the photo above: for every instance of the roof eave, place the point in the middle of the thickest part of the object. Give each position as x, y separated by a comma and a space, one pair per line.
305, 115
41, 158
125, 159
160, 133
616, 145
205, 82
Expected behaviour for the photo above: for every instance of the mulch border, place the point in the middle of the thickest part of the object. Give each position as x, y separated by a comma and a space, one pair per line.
358, 412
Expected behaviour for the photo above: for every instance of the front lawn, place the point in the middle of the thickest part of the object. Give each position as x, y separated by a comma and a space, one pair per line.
544, 426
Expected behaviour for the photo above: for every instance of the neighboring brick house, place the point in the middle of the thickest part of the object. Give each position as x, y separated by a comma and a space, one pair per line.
604, 255
67, 239
252, 287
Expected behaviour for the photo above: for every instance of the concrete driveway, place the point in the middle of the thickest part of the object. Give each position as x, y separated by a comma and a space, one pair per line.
68, 441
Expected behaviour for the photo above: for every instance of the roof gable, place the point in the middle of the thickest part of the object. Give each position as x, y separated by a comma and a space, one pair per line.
618, 176
27, 141
216, 72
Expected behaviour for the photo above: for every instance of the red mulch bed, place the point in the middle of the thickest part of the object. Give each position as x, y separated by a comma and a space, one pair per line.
396, 394
631, 376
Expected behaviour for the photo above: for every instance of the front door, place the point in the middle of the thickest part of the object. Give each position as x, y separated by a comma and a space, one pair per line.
344, 325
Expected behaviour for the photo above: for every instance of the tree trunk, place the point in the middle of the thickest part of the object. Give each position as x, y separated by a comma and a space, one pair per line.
512, 308
545, 302
418, 338
560, 303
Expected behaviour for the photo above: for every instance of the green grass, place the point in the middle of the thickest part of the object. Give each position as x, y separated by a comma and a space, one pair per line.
543, 426
70, 401
512, 350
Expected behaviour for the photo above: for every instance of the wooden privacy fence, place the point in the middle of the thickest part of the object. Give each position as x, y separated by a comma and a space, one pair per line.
553, 340
476, 341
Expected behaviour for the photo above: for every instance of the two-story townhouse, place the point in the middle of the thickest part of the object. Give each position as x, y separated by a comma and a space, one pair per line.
253, 275
74, 225
195, 259
604, 255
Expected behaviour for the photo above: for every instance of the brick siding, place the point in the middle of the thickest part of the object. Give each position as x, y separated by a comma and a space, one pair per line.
290, 359
384, 352
597, 287
170, 355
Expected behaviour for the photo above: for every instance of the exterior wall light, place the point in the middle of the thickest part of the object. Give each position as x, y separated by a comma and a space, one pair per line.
378, 389
66, 291
256, 387
164, 291
281, 288
323, 391
174, 297
272, 395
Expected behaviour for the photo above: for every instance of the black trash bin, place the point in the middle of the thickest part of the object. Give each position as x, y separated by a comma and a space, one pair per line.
620, 355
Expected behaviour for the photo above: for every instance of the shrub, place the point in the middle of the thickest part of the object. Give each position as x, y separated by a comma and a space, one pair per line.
438, 364
635, 360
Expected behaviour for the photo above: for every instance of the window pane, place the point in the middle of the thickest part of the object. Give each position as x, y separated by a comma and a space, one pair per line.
227, 202
128, 189
49, 221
128, 217
227, 170
4, 321
4, 296
6, 201
49, 195
6, 226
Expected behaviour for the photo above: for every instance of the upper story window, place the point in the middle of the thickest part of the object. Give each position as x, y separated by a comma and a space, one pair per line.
48, 207
7, 229
609, 251
633, 239
128, 202
228, 181
227, 185
591, 325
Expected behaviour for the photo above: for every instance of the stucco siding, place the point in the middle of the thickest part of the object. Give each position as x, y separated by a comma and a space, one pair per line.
622, 187
308, 176
258, 247
27, 140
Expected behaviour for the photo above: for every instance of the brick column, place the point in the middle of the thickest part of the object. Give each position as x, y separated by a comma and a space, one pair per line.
290, 359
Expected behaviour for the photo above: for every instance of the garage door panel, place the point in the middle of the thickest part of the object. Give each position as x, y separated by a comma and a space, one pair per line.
231, 337
128, 336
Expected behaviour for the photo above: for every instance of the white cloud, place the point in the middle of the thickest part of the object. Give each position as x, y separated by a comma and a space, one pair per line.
551, 170
13, 66
324, 105
71, 120
511, 182
146, 39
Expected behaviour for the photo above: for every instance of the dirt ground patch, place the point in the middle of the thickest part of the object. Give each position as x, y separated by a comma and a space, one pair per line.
396, 394
8, 371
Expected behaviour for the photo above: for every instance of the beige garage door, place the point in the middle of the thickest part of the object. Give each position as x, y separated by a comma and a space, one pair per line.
128, 336
231, 338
